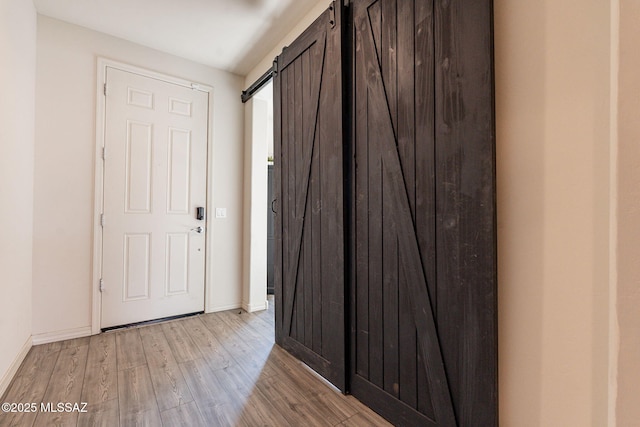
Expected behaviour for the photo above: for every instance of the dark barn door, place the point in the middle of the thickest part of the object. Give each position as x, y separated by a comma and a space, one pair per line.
423, 290
308, 186
420, 198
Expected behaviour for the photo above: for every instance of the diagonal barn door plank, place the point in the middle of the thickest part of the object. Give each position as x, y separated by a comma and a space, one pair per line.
385, 141
303, 187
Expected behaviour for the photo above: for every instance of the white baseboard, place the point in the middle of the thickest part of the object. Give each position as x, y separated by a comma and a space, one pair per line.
66, 334
250, 308
8, 376
224, 307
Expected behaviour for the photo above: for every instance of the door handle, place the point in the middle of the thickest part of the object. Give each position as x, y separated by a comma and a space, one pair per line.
272, 203
198, 229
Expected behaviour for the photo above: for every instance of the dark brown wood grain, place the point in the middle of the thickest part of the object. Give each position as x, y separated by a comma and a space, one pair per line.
420, 196
424, 279
465, 195
310, 267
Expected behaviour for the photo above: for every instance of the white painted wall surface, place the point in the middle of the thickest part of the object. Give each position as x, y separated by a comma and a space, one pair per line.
17, 118
64, 171
552, 114
627, 410
255, 196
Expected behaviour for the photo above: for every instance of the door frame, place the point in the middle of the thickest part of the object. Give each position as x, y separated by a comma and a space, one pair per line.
98, 204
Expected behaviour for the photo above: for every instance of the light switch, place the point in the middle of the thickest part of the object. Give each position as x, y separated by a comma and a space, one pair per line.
221, 212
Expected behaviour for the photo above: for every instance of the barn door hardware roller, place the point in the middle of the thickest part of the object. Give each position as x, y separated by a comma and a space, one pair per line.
332, 14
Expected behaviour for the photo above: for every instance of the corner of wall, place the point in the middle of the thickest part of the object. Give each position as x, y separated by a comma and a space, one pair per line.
15, 365
18, 29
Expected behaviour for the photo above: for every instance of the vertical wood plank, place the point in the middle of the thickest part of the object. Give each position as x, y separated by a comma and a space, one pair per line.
291, 306
425, 404
301, 146
374, 12
407, 95
330, 133
425, 194
309, 279
388, 35
389, 72
425, 143
279, 165
390, 308
326, 254
361, 226
408, 364
316, 232
389, 69
465, 178
377, 250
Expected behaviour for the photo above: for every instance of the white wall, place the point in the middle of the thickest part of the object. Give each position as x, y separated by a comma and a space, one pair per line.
255, 202
627, 384
64, 171
259, 143
17, 118
552, 110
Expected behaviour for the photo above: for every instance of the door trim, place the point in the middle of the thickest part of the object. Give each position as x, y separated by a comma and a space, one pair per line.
96, 265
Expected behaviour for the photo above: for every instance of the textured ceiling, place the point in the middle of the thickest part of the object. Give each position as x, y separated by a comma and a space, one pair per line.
231, 35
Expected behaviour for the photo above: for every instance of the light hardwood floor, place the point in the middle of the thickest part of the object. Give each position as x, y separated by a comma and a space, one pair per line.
219, 369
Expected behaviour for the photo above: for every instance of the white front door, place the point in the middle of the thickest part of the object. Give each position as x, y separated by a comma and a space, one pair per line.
154, 181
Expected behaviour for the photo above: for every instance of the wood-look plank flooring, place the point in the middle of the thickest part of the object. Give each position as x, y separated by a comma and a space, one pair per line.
218, 369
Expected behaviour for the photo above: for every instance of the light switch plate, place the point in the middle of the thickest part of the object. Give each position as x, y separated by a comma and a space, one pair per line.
221, 212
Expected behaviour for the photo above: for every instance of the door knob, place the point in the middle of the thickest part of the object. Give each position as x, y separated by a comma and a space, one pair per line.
198, 229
